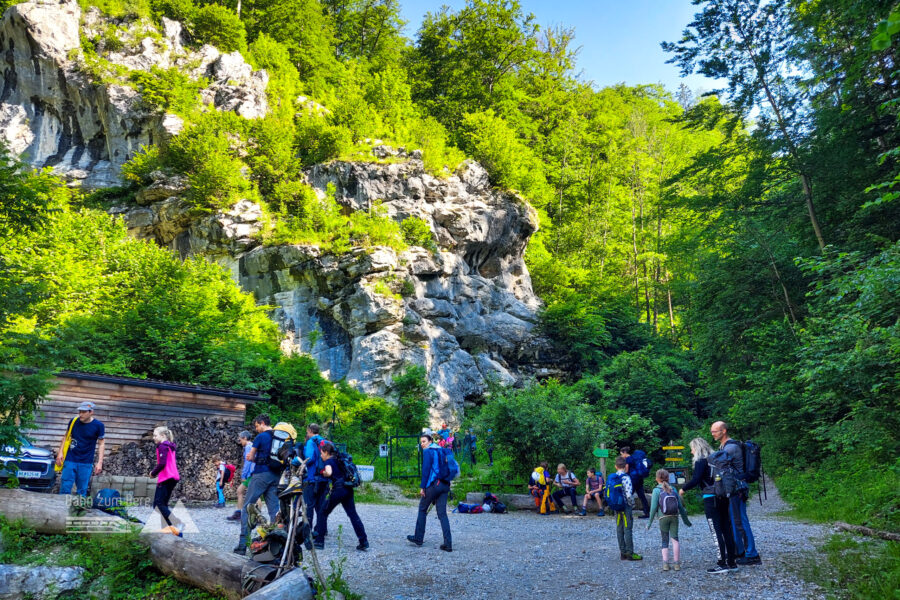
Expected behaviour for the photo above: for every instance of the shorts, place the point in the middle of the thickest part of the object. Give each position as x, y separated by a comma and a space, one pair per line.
246, 482
668, 527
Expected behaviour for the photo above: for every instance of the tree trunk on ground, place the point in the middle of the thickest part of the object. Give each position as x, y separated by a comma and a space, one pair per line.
200, 566
885, 535
292, 586
45, 513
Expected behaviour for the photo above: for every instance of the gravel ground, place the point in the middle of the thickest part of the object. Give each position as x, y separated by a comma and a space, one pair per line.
525, 554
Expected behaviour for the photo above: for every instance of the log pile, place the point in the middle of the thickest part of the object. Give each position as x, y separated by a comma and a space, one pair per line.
201, 444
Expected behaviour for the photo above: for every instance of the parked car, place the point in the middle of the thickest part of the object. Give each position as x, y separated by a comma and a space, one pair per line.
32, 465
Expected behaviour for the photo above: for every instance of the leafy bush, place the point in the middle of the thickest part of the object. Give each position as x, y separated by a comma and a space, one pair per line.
141, 164
577, 329
414, 395
182, 11
119, 8
319, 141
168, 89
217, 25
417, 232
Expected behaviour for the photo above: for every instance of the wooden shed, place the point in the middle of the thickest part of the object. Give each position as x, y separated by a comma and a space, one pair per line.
130, 407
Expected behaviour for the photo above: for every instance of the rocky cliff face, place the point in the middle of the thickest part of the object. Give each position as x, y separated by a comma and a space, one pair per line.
54, 115
465, 312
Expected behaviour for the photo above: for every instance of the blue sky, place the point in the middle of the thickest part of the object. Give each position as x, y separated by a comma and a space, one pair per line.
619, 39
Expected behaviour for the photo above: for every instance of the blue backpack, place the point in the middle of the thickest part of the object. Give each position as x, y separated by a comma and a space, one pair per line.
451, 464
640, 466
615, 493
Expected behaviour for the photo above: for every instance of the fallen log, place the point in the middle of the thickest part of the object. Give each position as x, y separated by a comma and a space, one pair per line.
49, 513
200, 566
292, 586
868, 531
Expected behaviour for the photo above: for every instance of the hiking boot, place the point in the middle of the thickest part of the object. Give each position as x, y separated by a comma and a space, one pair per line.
676, 567
665, 566
717, 569
446, 548
413, 539
583, 512
624, 556
235, 516
362, 546
634, 556
220, 505
732, 567
601, 513
242, 550
319, 545
753, 560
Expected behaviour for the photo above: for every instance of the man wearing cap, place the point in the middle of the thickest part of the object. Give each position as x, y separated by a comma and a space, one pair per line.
78, 460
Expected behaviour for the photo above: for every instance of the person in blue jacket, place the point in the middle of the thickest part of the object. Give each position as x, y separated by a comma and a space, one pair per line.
315, 488
434, 488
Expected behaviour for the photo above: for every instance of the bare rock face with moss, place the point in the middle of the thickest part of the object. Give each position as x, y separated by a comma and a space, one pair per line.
463, 308
54, 111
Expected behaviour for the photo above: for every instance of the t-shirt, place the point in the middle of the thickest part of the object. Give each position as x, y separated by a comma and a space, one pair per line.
337, 471
84, 441
248, 466
567, 480
593, 483
263, 445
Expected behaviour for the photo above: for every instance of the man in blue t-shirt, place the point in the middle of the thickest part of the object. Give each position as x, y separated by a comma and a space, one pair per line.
315, 490
78, 460
263, 481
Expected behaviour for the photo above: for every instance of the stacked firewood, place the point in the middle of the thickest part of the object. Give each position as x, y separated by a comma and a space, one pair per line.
201, 444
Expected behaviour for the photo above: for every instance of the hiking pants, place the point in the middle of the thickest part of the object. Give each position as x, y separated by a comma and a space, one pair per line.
437, 495
343, 496
490, 452
668, 528
638, 485
558, 495
743, 535
220, 492
77, 474
624, 527
719, 521
263, 484
161, 498
315, 497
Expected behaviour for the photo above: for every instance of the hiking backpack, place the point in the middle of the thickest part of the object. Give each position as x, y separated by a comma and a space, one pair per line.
615, 493
229, 474
494, 503
351, 473
668, 502
752, 461
724, 475
452, 465
641, 464
282, 447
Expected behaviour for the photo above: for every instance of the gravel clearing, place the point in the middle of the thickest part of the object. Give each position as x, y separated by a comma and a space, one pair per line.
524, 554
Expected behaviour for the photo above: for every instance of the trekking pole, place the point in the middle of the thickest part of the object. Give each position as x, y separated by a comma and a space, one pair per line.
765, 491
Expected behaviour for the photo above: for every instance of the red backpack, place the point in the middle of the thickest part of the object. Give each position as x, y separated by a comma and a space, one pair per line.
229, 473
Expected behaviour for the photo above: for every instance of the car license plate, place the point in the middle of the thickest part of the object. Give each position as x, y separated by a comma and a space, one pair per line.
28, 474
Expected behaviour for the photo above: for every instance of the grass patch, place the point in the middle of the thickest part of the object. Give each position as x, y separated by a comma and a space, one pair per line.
117, 566
854, 570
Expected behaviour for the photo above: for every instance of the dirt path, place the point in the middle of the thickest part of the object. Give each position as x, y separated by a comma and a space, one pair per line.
521, 555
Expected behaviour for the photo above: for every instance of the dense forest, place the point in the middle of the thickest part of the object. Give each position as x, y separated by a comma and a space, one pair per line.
730, 256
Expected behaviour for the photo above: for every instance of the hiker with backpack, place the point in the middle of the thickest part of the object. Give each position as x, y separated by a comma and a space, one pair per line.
567, 482
434, 488
489, 446
335, 473
593, 488
166, 473
744, 544
710, 477
221, 474
668, 505
315, 488
244, 439
263, 481
539, 487
638, 468
620, 498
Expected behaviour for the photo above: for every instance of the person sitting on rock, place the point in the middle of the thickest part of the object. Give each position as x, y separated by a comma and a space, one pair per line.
539, 486
567, 482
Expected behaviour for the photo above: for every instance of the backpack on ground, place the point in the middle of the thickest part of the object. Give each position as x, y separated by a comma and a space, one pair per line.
351, 473
494, 503
452, 465
282, 446
752, 461
668, 502
724, 475
462, 507
229, 474
641, 464
615, 493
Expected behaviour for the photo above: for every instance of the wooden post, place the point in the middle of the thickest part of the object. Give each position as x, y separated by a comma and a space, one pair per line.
603, 461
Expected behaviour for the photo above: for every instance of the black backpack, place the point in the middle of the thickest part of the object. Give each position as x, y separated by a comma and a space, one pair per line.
351, 473
752, 461
724, 475
282, 450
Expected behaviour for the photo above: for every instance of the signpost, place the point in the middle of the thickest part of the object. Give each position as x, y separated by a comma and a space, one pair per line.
602, 453
675, 463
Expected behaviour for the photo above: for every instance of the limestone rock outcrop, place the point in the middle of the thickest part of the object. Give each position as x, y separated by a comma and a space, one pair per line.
54, 115
465, 312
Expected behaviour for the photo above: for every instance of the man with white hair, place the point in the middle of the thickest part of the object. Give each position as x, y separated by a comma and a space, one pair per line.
77, 450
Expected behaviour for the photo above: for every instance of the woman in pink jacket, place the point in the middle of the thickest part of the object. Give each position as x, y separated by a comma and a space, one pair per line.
166, 471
